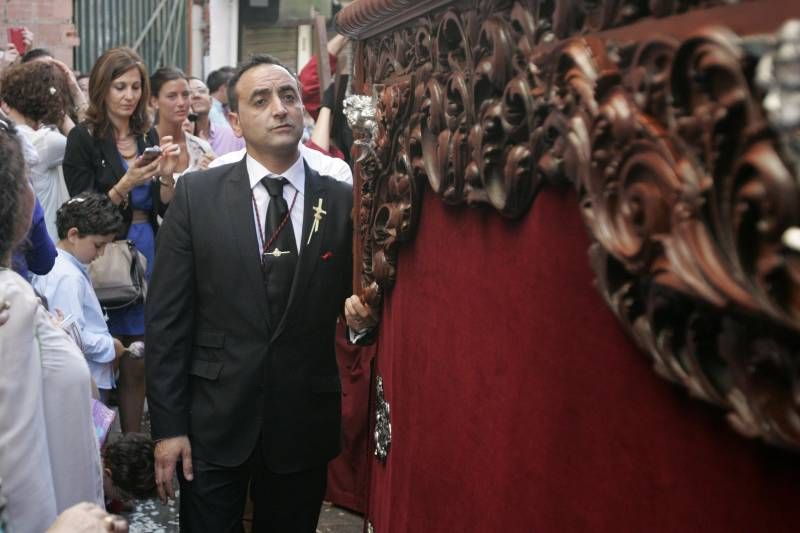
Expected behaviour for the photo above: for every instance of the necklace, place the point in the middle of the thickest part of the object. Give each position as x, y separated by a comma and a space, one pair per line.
266, 245
126, 143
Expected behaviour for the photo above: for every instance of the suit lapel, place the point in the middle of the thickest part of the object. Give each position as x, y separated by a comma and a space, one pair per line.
239, 206
309, 248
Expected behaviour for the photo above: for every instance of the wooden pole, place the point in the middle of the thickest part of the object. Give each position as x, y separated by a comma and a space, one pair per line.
323, 65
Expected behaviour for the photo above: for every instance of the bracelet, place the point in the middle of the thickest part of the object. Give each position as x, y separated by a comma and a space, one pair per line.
124, 199
165, 183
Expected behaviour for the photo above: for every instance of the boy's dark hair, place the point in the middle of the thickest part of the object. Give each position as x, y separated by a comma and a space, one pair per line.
132, 465
218, 78
254, 61
91, 213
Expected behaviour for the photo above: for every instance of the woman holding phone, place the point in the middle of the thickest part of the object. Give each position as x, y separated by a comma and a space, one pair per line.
171, 101
108, 153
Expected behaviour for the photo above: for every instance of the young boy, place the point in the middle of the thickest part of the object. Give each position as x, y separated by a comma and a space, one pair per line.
129, 468
85, 224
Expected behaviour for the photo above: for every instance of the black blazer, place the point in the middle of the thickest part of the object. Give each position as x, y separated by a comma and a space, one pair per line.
92, 164
217, 370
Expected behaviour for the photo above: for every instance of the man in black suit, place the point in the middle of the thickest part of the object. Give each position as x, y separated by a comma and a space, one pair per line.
253, 265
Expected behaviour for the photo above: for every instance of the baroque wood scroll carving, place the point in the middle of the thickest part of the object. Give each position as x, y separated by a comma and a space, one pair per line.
682, 141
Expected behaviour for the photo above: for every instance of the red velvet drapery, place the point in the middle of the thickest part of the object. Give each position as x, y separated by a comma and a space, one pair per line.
347, 474
518, 404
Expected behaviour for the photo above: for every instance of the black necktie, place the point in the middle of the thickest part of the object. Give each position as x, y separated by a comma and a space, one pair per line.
281, 258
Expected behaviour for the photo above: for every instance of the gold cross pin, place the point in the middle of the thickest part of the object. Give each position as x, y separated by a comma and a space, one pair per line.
318, 212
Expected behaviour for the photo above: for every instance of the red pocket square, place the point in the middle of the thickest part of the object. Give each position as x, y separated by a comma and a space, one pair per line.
327, 255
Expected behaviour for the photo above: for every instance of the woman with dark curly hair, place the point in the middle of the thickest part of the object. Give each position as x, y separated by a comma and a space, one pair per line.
106, 154
35, 96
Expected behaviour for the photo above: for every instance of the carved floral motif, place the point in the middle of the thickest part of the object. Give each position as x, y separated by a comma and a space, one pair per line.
688, 183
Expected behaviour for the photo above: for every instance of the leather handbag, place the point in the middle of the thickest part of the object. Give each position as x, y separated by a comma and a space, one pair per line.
118, 275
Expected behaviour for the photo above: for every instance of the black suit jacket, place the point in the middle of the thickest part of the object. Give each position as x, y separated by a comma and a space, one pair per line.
217, 370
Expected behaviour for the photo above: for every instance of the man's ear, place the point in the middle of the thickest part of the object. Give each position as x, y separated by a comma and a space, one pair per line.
233, 120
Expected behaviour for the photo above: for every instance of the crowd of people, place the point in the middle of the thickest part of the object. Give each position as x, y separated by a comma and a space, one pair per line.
78, 171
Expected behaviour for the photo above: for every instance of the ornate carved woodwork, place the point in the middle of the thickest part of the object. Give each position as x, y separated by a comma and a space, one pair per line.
681, 140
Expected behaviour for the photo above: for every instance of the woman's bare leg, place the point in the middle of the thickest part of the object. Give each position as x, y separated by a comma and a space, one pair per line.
131, 389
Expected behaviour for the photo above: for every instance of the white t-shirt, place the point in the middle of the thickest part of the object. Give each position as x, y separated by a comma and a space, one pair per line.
196, 148
46, 174
325, 165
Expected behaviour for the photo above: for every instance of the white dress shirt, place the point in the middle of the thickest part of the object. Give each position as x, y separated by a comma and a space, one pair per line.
325, 165
296, 176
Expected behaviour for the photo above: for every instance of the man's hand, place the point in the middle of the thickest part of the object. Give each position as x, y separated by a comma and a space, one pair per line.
336, 44
359, 316
168, 452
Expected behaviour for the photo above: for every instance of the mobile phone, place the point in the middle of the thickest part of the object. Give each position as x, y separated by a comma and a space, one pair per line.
15, 38
150, 154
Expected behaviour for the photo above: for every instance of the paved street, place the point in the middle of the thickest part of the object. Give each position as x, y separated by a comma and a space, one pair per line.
151, 516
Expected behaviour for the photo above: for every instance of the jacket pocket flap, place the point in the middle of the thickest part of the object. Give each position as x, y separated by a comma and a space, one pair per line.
206, 369
325, 384
209, 339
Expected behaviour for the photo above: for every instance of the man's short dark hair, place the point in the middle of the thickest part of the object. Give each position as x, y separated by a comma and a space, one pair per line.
35, 53
254, 61
219, 77
132, 465
91, 213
